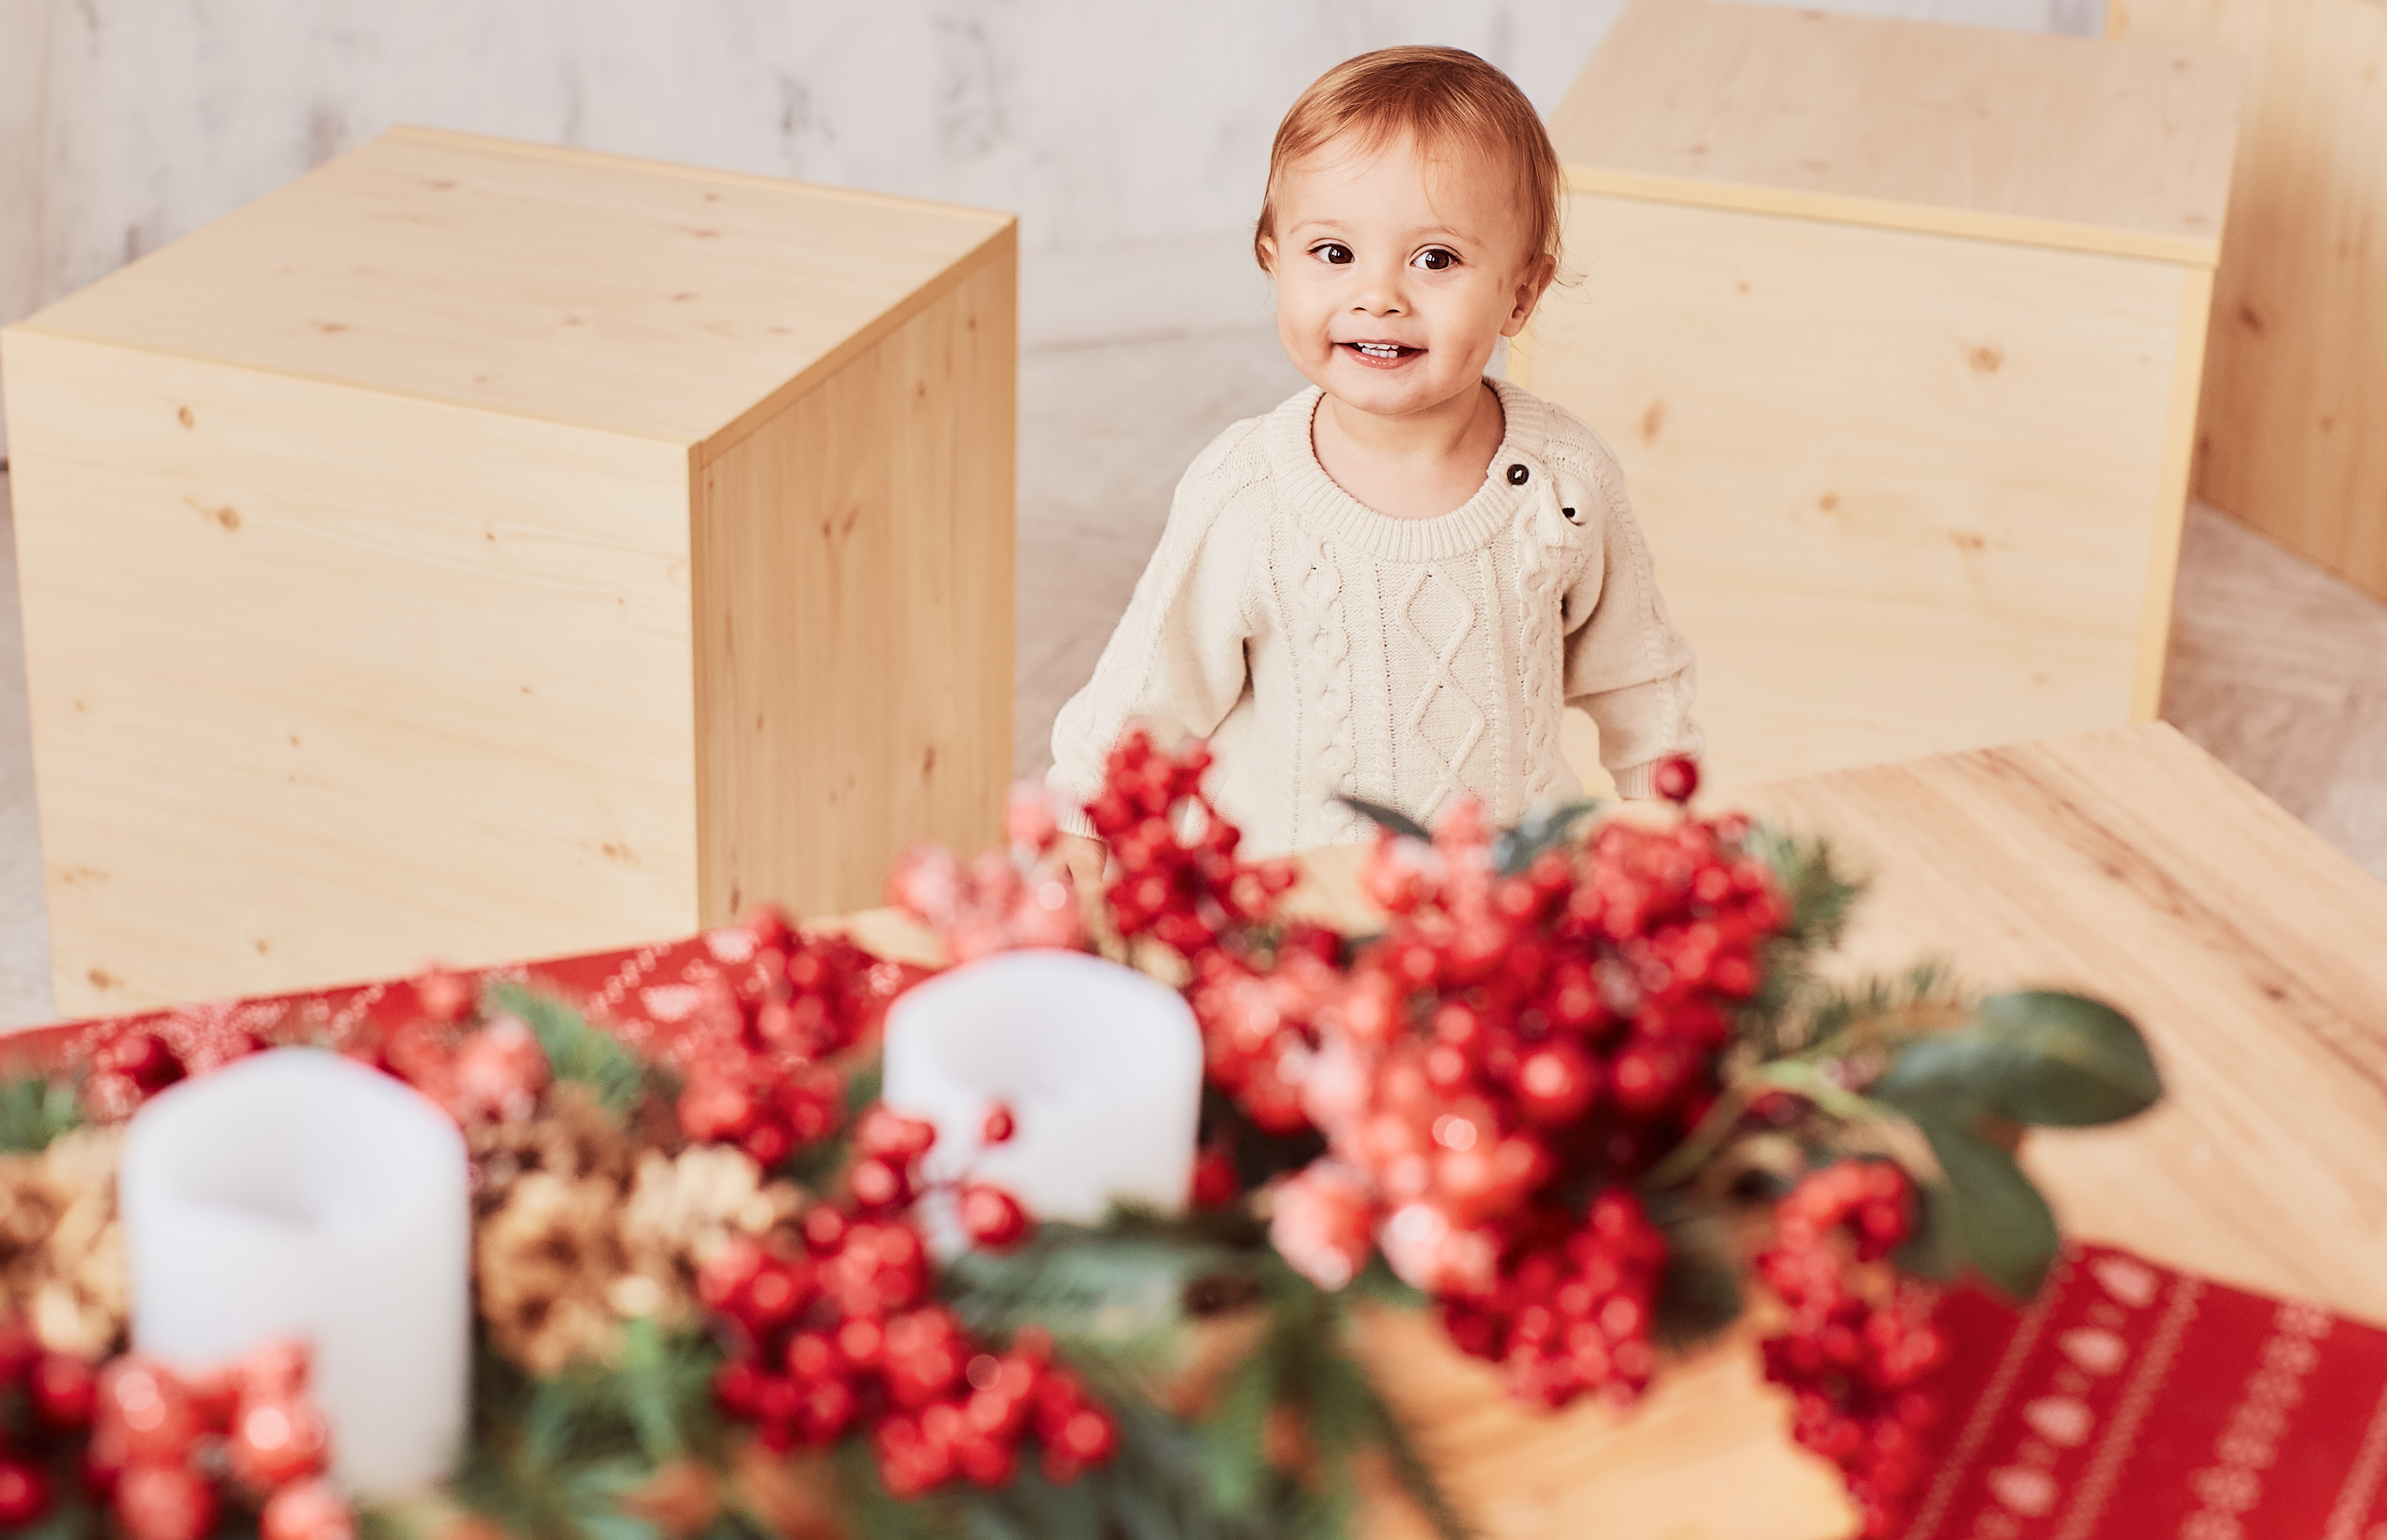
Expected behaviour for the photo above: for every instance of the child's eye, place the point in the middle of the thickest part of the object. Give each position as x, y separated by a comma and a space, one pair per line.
1433, 258
1332, 251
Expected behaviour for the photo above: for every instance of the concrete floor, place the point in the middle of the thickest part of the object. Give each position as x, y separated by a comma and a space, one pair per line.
2276, 667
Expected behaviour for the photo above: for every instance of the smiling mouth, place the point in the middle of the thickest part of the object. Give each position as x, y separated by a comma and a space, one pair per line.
1381, 352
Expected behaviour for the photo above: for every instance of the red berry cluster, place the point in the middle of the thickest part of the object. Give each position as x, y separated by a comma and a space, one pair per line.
1001, 900
1510, 1037
1510, 1040
128, 1069
1257, 1024
1855, 1361
758, 1049
845, 1336
1573, 1312
156, 1443
1179, 880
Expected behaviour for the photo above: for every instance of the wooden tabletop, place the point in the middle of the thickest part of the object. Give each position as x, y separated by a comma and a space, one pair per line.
2128, 865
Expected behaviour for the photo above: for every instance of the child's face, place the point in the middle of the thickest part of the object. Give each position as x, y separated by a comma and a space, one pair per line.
1397, 273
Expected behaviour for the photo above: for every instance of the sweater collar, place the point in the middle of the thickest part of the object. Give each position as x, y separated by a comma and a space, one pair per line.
1325, 509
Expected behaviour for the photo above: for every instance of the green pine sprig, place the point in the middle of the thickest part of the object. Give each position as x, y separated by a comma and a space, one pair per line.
35, 1110
574, 1049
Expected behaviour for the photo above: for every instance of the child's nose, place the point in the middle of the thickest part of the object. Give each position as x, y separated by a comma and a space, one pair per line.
1380, 290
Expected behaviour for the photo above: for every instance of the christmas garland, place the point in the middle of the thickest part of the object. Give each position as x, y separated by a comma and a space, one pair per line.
1578, 1097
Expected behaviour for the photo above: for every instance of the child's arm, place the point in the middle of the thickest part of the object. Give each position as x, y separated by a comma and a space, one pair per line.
1625, 663
1175, 662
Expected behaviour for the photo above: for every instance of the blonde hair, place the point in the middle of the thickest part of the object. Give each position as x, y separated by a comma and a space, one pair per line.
1436, 97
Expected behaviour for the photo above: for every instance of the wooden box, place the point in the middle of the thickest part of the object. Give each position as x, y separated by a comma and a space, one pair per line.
2289, 437
476, 550
1896, 328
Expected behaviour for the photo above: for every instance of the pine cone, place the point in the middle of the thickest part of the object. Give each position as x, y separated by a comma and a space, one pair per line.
546, 1261
572, 1137
682, 1209
62, 1250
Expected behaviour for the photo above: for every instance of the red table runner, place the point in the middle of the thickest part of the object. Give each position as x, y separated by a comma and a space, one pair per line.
2129, 1400
642, 996
2126, 1400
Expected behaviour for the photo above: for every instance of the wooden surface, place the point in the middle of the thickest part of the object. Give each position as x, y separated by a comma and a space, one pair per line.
321, 686
1906, 492
2128, 865
660, 301
871, 604
1999, 134
2297, 384
474, 552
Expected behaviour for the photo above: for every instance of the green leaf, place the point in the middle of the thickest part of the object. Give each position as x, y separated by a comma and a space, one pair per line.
574, 1049
1518, 848
34, 1111
1387, 817
2003, 1224
2040, 1059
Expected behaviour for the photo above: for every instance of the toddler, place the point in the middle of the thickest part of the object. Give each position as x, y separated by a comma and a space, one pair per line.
1392, 585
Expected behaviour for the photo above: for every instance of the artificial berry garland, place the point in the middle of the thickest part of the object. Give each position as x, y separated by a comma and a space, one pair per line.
1534, 1103
1533, 1091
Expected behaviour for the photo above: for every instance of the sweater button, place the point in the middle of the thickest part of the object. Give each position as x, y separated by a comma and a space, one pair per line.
1517, 475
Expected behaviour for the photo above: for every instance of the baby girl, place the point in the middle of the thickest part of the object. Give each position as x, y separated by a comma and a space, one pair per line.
1390, 587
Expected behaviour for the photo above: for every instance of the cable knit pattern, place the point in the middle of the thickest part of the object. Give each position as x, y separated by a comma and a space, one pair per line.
1326, 649
1330, 655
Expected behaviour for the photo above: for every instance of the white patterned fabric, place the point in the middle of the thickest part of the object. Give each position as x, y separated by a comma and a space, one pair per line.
1326, 649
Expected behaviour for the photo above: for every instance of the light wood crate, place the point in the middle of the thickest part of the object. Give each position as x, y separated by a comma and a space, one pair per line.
1897, 329
2289, 438
475, 550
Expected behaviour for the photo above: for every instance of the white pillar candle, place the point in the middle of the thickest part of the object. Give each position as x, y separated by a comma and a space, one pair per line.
296, 1194
1100, 1067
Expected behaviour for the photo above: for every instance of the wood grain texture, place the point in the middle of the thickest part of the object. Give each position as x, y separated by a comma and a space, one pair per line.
324, 683
853, 561
2009, 136
1906, 492
555, 284
2125, 863
2297, 387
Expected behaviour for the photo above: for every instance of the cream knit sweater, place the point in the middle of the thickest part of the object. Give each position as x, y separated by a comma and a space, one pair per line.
1326, 649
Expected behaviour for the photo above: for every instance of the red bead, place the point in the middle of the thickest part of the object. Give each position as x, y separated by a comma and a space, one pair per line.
152, 1409
1676, 779
891, 1135
992, 1217
277, 1441
1556, 1083
877, 1182
768, 1143
1216, 1183
306, 1511
164, 1502
714, 1109
1000, 1125
65, 1390
24, 1493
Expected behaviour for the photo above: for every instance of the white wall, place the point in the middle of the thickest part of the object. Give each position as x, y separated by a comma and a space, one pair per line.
1105, 123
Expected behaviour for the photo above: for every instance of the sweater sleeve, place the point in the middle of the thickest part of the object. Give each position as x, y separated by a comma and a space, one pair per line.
1176, 662
1625, 662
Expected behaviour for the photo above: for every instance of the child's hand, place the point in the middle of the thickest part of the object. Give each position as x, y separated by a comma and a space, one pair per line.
1085, 859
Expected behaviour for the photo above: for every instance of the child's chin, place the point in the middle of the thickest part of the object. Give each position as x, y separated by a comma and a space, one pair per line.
1387, 391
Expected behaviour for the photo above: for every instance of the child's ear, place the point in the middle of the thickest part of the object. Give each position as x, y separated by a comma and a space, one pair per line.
1530, 286
1264, 247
